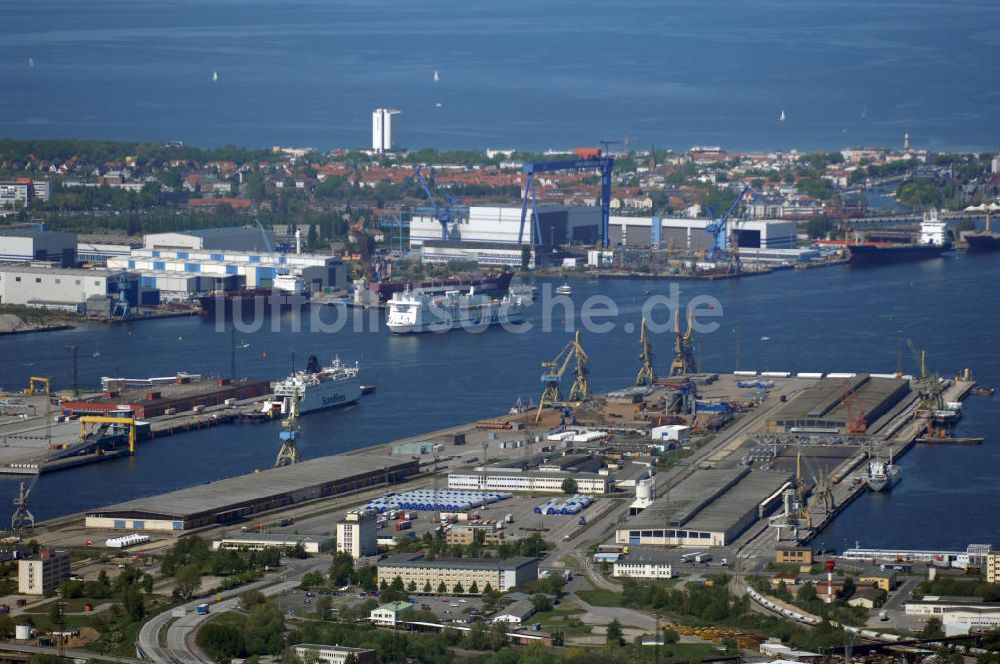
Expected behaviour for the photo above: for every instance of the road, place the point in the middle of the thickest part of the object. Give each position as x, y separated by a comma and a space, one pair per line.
83, 655
179, 646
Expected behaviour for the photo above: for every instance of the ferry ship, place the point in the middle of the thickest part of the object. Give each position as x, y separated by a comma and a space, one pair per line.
934, 241
317, 388
414, 312
882, 475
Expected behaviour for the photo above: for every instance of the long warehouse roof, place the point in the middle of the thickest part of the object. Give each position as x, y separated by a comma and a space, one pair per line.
274, 482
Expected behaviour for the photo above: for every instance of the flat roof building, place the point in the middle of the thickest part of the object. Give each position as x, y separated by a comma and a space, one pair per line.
826, 406
24, 244
326, 654
708, 508
357, 534
234, 238
65, 289
514, 480
500, 574
42, 573
257, 542
243, 497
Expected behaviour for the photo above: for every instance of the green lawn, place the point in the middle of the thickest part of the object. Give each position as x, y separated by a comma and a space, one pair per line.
600, 597
562, 618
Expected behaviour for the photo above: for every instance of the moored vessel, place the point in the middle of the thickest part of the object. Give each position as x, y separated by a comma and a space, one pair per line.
414, 312
882, 474
935, 239
316, 388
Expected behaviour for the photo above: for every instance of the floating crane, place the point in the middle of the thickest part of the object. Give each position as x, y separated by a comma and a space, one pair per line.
683, 346
289, 453
584, 163
723, 241
446, 214
553, 371
647, 372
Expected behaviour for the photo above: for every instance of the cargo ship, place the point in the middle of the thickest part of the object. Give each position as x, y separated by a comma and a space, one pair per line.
316, 388
934, 240
288, 292
414, 312
882, 474
982, 242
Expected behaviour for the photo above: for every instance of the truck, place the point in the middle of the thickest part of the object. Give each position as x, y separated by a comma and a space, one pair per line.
509, 518
202, 609
703, 557
403, 525
690, 557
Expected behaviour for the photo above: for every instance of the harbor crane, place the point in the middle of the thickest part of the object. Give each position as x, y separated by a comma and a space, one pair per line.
38, 385
553, 371
929, 386
22, 518
647, 372
683, 362
724, 235
451, 211
122, 308
289, 453
601, 163
856, 423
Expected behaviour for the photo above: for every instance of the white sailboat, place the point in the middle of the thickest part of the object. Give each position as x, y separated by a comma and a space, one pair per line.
437, 77
215, 76
31, 62
781, 118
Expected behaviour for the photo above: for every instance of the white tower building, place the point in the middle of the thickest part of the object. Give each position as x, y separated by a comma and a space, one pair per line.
384, 129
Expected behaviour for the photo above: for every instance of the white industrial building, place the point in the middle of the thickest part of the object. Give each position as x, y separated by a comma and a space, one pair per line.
252, 268
384, 129
235, 238
511, 480
16, 193
65, 289
23, 244
256, 542
501, 226
690, 234
645, 565
357, 534
958, 615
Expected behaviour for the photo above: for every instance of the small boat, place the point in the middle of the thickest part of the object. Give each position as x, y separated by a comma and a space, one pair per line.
438, 105
215, 76
781, 118
437, 77
244, 345
97, 353
565, 289
765, 338
31, 62
367, 389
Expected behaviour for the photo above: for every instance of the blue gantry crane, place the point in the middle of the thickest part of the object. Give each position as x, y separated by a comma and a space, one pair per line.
719, 228
601, 163
445, 214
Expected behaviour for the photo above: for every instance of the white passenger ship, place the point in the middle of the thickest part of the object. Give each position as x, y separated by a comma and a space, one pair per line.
413, 312
317, 388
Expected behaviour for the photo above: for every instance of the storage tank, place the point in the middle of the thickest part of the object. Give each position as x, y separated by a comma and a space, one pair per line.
22, 632
644, 489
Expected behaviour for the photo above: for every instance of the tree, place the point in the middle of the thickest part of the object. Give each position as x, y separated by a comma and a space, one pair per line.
541, 602
133, 603
251, 598
932, 629
186, 580
323, 606
477, 638
264, 629
313, 237
442, 589
474, 588
806, 593
569, 485
615, 633
312, 579
411, 587
458, 589
427, 588
221, 641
